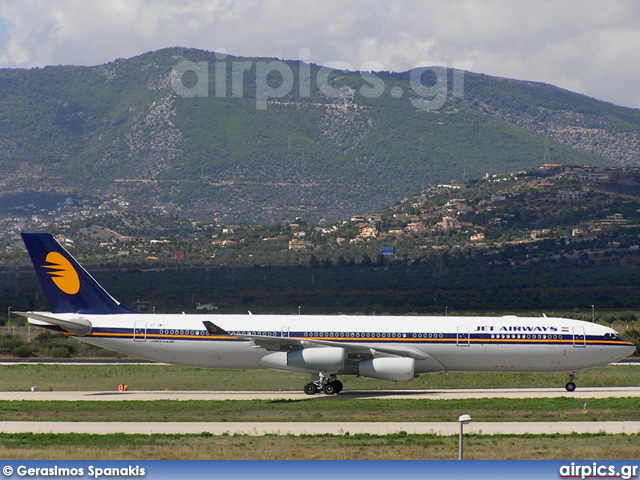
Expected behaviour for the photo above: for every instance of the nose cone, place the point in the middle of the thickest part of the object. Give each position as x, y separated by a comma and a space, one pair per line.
630, 350
627, 348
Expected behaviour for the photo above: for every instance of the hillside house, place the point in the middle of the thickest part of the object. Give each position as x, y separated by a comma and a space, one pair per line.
450, 222
569, 194
415, 227
368, 232
297, 244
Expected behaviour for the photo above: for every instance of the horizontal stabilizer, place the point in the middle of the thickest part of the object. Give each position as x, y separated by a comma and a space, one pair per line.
78, 326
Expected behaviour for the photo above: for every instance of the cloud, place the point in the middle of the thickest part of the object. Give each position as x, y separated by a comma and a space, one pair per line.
587, 46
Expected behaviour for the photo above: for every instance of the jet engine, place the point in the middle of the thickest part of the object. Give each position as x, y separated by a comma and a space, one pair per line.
323, 359
398, 369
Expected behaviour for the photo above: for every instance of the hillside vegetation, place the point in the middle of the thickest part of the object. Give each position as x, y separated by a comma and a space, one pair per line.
121, 129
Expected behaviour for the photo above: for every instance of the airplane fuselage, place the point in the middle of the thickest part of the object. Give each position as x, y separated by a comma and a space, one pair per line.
447, 343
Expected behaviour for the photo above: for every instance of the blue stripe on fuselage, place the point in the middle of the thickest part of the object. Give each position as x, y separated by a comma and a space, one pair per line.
407, 338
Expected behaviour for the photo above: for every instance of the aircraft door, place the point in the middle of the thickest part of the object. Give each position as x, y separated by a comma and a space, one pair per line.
284, 332
140, 331
463, 337
579, 338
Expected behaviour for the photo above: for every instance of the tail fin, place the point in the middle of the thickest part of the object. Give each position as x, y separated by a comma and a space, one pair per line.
69, 288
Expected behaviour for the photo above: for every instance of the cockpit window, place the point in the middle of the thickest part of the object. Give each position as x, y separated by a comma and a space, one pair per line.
610, 336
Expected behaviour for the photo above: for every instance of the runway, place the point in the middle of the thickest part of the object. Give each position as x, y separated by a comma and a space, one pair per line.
581, 392
320, 428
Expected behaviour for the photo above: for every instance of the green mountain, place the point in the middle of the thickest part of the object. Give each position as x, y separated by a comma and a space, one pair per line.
319, 149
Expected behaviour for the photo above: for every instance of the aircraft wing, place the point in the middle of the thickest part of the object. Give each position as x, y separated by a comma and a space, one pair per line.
279, 344
78, 326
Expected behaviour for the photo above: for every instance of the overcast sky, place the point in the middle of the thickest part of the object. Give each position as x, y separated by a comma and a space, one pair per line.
587, 46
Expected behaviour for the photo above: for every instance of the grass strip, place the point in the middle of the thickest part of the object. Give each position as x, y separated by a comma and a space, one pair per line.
399, 446
325, 409
166, 377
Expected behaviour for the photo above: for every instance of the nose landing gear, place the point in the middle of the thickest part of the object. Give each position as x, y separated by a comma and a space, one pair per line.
571, 386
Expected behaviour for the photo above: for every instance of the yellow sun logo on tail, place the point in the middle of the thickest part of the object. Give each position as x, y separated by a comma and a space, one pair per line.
62, 273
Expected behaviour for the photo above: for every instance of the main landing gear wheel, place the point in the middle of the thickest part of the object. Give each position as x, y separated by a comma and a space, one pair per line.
571, 386
330, 388
333, 387
311, 388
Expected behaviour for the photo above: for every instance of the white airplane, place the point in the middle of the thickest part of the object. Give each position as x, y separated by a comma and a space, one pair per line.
386, 347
